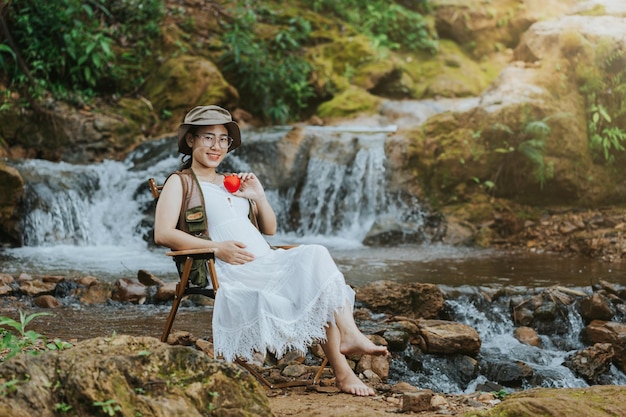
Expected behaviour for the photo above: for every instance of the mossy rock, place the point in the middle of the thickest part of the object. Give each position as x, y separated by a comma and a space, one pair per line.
11, 190
449, 73
350, 102
338, 63
185, 82
595, 401
133, 376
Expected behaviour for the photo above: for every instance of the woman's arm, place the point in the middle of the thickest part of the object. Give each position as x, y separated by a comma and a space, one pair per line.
166, 219
252, 188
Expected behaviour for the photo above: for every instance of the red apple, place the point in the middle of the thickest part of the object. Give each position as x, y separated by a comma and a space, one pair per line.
232, 183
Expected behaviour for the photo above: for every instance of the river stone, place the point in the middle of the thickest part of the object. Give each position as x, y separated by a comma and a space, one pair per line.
608, 332
596, 401
139, 374
596, 307
11, 191
527, 336
591, 363
448, 337
414, 300
128, 290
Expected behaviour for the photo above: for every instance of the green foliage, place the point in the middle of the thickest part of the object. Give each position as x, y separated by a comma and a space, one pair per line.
529, 141
270, 72
58, 344
500, 394
77, 47
9, 386
110, 407
389, 24
62, 407
604, 87
26, 341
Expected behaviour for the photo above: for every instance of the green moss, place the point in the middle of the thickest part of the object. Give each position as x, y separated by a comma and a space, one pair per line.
450, 73
349, 102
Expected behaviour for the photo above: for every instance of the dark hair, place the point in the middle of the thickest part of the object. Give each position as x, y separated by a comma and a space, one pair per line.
186, 159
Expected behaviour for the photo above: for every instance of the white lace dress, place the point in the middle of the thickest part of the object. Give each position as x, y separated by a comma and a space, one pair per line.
280, 301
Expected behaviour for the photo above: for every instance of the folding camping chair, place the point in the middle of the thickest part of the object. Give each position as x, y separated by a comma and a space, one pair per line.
183, 288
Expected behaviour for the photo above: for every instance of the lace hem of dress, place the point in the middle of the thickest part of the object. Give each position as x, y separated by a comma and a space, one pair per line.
280, 338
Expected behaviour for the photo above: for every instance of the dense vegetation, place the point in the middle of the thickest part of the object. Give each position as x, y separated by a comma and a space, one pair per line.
75, 50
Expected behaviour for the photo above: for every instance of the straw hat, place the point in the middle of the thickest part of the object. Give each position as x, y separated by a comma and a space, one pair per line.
208, 116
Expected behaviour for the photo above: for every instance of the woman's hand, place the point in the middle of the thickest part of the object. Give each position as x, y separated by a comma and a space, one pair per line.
233, 252
250, 187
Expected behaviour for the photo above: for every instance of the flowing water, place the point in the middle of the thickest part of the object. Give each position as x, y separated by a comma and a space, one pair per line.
96, 219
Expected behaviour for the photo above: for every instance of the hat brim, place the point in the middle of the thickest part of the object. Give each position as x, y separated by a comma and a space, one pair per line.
233, 132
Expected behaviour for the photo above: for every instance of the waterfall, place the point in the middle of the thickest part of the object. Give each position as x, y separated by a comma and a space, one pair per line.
92, 215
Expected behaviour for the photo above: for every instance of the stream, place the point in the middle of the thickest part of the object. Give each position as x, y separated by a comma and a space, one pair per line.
96, 220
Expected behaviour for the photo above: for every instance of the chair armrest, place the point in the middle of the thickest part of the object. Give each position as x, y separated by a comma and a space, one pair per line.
199, 251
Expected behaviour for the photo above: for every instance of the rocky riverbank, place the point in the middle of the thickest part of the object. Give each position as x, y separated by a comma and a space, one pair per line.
413, 320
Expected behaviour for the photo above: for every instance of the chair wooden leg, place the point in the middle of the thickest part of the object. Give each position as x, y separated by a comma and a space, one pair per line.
213, 274
318, 375
180, 290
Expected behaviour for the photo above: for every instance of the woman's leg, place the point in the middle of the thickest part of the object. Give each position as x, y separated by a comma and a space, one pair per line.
345, 338
352, 341
347, 381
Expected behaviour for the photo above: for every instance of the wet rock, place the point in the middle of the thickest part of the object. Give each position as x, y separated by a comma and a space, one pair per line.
608, 332
445, 337
379, 365
46, 301
36, 287
527, 335
53, 278
148, 279
5, 289
465, 369
607, 287
591, 363
97, 293
5, 284
397, 339
87, 280
596, 307
11, 192
65, 289
140, 375
127, 290
165, 292
409, 299
510, 374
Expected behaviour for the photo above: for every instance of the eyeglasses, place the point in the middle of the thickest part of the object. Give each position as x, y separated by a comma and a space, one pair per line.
209, 140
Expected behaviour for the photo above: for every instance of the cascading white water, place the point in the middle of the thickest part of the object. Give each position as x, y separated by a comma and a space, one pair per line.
96, 217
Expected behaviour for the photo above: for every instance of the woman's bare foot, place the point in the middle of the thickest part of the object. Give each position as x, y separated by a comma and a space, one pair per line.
353, 385
359, 344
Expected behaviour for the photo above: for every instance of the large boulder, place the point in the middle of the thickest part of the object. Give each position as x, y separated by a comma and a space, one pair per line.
128, 376
485, 28
597, 401
11, 190
414, 300
530, 138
